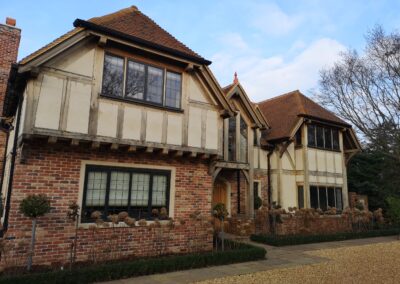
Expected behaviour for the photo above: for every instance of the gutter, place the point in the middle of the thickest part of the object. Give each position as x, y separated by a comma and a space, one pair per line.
111, 32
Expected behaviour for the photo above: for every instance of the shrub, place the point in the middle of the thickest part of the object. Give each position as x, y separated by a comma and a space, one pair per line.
287, 240
118, 270
394, 209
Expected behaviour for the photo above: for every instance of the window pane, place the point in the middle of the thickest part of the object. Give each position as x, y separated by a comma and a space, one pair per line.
322, 198
335, 138
96, 188
140, 189
159, 191
256, 139
328, 138
314, 197
300, 196
320, 137
311, 135
243, 141
135, 80
119, 189
298, 139
331, 197
154, 84
339, 203
173, 90
232, 139
113, 76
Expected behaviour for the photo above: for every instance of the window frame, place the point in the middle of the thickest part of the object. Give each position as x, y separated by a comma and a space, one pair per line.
315, 127
300, 187
326, 188
131, 170
143, 101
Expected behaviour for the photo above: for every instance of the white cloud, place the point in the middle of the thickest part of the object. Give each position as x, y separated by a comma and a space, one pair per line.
265, 77
270, 19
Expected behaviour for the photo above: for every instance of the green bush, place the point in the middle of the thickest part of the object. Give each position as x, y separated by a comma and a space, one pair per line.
393, 210
113, 271
288, 240
35, 206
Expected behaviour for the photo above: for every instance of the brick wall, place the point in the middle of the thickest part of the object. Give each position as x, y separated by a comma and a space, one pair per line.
54, 169
9, 43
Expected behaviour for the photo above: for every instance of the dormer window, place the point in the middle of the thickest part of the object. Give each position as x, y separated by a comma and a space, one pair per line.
130, 80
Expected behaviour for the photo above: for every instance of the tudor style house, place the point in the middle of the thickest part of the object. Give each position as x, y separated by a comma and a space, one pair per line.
118, 115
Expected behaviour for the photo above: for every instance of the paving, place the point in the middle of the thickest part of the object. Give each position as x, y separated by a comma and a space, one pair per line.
277, 257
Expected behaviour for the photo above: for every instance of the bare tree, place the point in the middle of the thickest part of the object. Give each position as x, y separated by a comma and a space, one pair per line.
365, 90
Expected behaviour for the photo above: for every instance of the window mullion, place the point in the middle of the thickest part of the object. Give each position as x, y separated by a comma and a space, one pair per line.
164, 87
150, 194
107, 193
130, 192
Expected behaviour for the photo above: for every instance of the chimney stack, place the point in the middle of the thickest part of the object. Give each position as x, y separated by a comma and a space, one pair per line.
9, 44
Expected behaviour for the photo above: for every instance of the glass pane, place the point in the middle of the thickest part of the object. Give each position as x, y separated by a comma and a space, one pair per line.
311, 135
159, 191
320, 137
243, 141
173, 90
113, 76
339, 203
119, 189
328, 138
154, 85
335, 139
298, 141
96, 188
300, 196
322, 198
232, 139
140, 189
135, 79
314, 197
255, 138
331, 197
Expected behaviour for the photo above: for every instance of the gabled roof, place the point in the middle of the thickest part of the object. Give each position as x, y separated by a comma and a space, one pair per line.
251, 108
284, 112
130, 24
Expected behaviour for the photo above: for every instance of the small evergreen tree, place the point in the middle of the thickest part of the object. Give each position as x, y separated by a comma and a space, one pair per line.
33, 207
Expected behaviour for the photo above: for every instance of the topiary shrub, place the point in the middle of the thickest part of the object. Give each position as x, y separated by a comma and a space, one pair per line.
33, 207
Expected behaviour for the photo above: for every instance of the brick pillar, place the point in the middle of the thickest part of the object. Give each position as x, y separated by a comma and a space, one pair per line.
9, 43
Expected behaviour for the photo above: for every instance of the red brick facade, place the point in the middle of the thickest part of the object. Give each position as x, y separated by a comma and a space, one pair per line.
9, 43
55, 170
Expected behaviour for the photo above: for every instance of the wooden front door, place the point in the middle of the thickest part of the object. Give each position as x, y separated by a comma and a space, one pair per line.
219, 193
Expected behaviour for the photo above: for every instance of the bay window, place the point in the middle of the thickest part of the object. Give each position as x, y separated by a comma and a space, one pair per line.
143, 82
112, 190
237, 141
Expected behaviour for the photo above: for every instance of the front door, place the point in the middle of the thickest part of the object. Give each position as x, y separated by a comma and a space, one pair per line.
219, 194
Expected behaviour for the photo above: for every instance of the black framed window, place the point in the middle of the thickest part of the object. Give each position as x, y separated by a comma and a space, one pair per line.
243, 140
297, 138
112, 190
300, 196
232, 138
113, 75
143, 83
323, 137
322, 197
256, 139
311, 135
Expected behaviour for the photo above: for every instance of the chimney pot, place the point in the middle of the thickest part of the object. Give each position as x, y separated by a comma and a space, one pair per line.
11, 21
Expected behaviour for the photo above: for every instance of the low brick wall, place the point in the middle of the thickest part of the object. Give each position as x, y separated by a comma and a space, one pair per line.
97, 244
324, 224
240, 226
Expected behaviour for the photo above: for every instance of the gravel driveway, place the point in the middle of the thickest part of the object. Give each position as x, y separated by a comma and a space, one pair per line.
374, 263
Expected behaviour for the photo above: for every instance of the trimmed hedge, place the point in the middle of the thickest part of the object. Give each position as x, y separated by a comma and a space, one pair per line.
114, 271
287, 240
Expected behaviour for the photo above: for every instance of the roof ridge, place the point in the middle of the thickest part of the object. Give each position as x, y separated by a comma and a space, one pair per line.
300, 98
280, 96
112, 15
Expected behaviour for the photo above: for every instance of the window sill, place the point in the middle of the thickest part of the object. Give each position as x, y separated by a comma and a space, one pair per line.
83, 225
140, 102
324, 149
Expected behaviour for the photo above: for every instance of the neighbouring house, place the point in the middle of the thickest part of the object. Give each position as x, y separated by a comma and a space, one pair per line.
117, 115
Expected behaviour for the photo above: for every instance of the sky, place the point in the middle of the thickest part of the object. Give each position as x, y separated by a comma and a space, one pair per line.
274, 46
